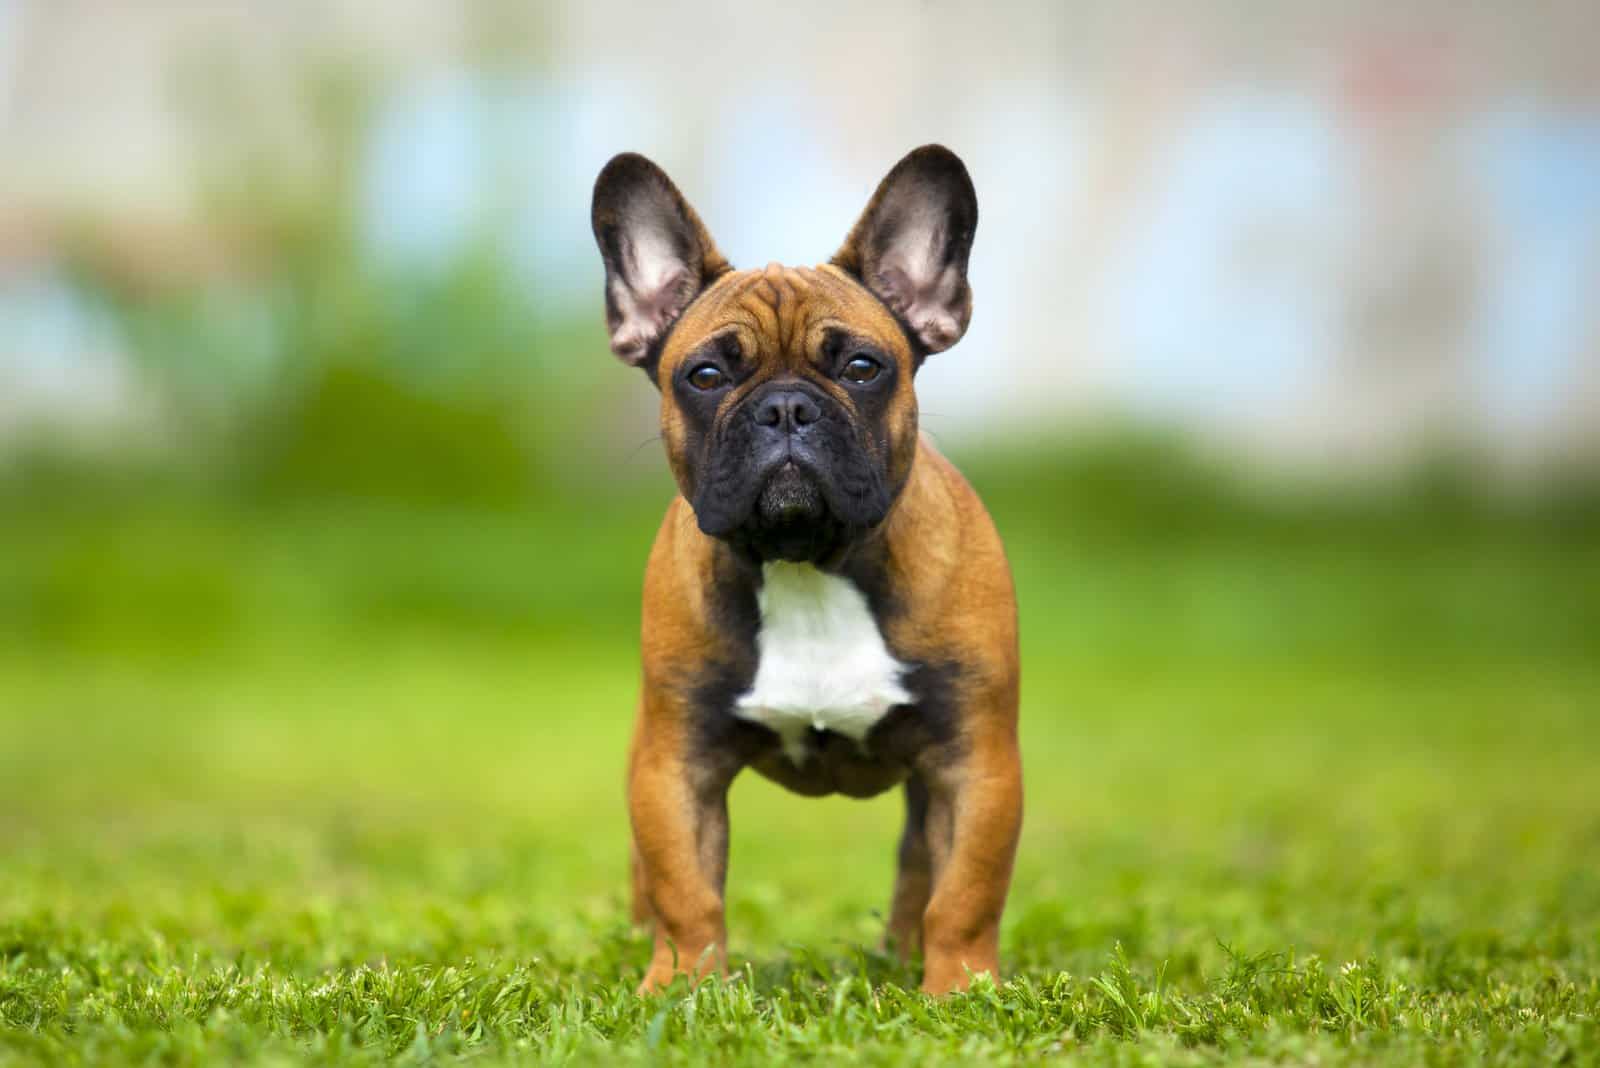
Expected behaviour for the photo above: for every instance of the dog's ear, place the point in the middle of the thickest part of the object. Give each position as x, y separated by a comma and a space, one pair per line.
910, 246
657, 253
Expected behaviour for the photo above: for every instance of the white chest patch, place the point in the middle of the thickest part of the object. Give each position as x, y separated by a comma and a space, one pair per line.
823, 663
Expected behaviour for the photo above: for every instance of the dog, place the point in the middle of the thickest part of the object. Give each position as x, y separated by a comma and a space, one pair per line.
827, 601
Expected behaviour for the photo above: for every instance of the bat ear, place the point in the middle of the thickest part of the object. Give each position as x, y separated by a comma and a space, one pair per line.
658, 255
911, 244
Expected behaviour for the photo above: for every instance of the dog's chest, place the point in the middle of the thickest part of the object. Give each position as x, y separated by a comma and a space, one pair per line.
823, 663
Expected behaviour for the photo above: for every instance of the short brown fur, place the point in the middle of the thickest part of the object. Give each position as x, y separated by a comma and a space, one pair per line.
939, 557
947, 562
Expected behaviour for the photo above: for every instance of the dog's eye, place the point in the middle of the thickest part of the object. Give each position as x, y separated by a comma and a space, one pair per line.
707, 377
861, 370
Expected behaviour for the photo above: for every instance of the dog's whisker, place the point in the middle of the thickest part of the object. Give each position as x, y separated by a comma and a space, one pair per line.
634, 452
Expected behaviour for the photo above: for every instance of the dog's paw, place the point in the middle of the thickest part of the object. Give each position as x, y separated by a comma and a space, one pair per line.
654, 983
941, 981
662, 974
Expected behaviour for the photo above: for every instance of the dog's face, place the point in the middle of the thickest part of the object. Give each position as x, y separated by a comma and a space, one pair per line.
787, 402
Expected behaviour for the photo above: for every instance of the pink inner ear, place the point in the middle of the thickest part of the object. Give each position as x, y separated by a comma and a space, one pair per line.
935, 307
653, 289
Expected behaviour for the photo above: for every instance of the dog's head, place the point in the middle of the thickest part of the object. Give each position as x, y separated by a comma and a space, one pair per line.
787, 405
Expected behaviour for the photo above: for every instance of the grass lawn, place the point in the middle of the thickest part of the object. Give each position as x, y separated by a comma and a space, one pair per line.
318, 790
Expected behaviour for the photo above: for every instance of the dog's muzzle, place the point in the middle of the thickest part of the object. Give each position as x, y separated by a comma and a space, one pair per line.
791, 496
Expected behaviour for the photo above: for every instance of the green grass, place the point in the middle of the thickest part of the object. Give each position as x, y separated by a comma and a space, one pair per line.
346, 787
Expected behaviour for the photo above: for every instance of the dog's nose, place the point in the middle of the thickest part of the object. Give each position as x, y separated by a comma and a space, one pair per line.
787, 409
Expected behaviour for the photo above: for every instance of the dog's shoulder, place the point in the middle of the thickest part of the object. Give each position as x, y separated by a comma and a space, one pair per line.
698, 605
951, 579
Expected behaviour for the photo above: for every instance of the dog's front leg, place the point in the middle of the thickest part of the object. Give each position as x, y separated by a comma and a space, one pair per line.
913, 881
680, 852
973, 821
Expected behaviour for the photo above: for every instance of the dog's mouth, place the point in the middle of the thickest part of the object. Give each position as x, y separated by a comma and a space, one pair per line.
802, 498
790, 496
791, 519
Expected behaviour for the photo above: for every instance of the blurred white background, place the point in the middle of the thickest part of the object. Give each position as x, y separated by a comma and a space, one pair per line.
1326, 237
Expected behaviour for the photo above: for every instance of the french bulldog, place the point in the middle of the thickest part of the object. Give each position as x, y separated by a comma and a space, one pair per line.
827, 601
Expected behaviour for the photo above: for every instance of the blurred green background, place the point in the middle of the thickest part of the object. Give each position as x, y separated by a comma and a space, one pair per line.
318, 644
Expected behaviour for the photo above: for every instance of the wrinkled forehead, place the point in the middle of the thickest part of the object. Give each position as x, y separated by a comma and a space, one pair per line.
786, 312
